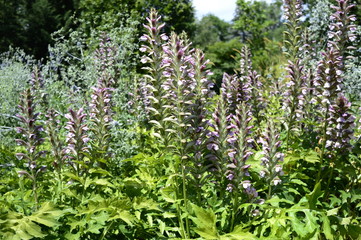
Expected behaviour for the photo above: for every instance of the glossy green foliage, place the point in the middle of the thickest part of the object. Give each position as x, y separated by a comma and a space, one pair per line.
158, 154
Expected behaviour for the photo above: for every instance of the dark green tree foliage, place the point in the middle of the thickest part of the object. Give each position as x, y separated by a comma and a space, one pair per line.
42, 21
256, 20
29, 24
179, 15
211, 29
222, 56
12, 14
95, 14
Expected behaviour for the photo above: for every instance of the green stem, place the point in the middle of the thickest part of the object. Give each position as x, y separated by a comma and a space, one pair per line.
35, 187
328, 182
35, 192
60, 187
323, 148
179, 213
289, 125
106, 230
269, 191
235, 206
185, 200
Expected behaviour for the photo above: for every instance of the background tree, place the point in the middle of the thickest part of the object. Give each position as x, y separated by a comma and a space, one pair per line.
222, 56
264, 23
259, 25
178, 15
211, 29
29, 24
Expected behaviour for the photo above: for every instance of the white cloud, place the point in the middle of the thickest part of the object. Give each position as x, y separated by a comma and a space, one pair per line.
224, 9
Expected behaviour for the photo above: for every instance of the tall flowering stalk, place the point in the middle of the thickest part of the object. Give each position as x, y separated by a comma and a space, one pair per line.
329, 79
230, 142
177, 94
77, 141
240, 141
272, 159
179, 85
217, 143
251, 80
198, 122
236, 90
154, 91
342, 30
292, 15
339, 133
296, 84
105, 63
52, 130
31, 133
100, 105
218, 137
328, 86
294, 97
100, 116
307, 56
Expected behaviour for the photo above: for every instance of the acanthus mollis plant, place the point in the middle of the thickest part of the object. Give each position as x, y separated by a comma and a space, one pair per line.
178, 94
106, 63
217, 142
230, 144
77, 141
341, 29
294, 98
37, 83
101, 118
31, 132
197, 132
329, 79
235, 91
252, 79
233, 94
180, 86
272, 159
341, 35
52, 130
57, 145
296, 86
339, 133
240, 142
328, 82
218, 145
153, 90
167, 87
308, 56
292, 37
101, 104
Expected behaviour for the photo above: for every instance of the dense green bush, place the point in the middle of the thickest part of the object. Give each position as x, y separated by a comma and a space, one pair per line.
105, 152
